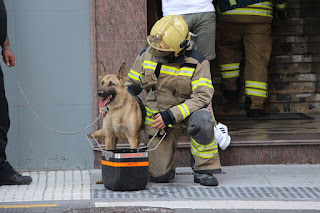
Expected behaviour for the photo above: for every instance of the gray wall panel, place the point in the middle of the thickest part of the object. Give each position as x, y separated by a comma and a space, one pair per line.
51, 41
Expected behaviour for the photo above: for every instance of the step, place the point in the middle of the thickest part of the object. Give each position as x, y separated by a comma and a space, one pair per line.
293, 97
290, 58
295, 48
295, 30
301, 4
264, 151
296, 39
267, 142
270, 108
281, 77
292, 87
280, 68
292, 77
276, 97
288, 67
284, 87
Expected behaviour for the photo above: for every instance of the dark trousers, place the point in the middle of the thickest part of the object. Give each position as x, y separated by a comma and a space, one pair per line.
5, 167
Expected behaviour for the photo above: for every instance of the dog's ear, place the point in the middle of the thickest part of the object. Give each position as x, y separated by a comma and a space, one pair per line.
123, 72
101, 71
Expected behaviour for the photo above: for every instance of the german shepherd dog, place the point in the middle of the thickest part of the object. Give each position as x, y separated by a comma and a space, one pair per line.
125, 115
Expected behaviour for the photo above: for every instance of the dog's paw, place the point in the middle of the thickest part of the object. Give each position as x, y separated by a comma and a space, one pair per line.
89, 136
100, 181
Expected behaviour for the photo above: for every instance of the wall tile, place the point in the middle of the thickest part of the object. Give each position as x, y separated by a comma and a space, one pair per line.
121, 20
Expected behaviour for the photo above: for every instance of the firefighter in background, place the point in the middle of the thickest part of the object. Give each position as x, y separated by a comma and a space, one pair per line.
246, 23
179, 88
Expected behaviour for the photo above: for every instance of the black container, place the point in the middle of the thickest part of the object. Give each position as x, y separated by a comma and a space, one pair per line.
125, 169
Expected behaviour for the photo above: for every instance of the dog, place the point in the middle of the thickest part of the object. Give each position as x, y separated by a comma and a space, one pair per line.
125, 114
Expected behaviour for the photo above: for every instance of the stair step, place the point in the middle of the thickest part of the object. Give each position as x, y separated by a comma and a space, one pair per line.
290, 58
285, 87
295, 48
282, 77
294, 77
294, 97
300, 107
266, 142
270, 108
284, 68
292, 87
277, 97
296, 39
291, 68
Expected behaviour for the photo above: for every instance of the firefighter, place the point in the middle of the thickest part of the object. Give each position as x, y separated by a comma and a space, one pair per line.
248, 24
179, 88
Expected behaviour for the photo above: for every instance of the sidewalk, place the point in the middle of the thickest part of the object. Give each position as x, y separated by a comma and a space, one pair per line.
257, 188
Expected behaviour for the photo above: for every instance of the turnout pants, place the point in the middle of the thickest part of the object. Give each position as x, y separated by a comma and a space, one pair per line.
205, 156
256, 40
5, 168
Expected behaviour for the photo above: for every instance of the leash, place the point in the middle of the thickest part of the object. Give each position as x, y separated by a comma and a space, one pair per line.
45, 123
163, 136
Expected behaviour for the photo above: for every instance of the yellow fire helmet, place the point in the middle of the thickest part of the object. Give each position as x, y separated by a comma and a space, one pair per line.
170, 34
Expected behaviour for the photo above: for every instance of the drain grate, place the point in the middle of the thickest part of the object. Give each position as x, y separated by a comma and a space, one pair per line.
213, 192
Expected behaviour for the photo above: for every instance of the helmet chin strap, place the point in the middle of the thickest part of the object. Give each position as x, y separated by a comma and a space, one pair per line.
183, 50
165, 59
170, 56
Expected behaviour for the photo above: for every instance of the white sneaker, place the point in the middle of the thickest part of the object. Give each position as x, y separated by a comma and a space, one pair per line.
222, 137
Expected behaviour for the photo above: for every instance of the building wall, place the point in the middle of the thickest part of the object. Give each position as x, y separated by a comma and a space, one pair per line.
294, 68
51, 42
118, 30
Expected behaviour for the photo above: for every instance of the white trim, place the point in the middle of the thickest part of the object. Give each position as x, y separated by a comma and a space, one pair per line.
219, 204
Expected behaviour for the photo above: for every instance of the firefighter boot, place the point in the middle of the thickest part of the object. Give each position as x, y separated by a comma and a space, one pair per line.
205, 179
231, 97
252, 113
163, 178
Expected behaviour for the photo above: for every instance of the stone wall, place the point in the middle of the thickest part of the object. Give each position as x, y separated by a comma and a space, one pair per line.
118, 34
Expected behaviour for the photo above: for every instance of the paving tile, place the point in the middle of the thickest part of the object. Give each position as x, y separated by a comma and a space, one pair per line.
55, 210
268, 211
36, 210
181, 210
15, 210
67, 196
78, 205
203, 204
247, 211
52, 185
225, 210
205, 210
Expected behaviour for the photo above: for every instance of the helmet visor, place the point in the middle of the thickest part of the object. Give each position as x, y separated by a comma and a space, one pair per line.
157, 43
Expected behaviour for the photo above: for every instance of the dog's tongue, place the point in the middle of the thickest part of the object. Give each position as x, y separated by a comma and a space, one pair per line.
105, 101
